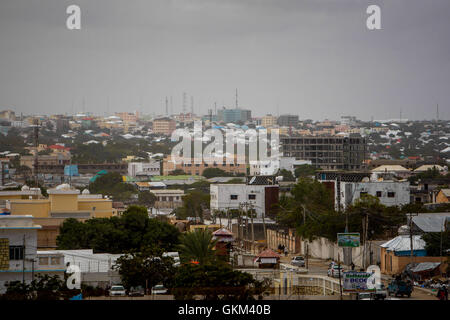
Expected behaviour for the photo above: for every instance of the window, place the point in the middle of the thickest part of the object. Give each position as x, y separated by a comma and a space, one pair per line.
233, 197
391, 194
379, 194
252, 197
55, 260
43, 261
15, 252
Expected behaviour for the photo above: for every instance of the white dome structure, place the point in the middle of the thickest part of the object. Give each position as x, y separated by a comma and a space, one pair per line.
25, 188
403, 230
85, 191
63, 186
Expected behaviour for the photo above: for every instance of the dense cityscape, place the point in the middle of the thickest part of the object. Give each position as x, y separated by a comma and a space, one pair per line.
224, 158
101, 193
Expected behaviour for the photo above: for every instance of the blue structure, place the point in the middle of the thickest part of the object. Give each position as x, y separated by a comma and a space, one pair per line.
234, 115
71, 170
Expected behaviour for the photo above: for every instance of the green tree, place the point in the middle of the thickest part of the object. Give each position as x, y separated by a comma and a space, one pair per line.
177, 172
130, 232
215, 172
43, 287
305, 170
309, 199
433, 242
146, 198
287, 175
197, 245
194, 203
112, 184
146, 268
381, 219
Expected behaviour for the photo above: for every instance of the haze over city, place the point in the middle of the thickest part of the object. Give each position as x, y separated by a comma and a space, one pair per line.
317, 60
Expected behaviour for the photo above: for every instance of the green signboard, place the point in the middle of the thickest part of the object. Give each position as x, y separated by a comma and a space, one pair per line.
348, 240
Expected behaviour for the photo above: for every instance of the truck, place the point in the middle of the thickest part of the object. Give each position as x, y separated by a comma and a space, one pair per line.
399, 288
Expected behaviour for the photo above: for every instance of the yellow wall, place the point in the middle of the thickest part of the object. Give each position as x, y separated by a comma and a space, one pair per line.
103, 208
13, 197
210, 227
37, 208
441, 198
64, 202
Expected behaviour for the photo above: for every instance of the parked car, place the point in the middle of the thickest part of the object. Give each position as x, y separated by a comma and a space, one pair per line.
399, 288
159, 289
380, 292
136, 292
334, 271
117, 290
298, 261
364, 296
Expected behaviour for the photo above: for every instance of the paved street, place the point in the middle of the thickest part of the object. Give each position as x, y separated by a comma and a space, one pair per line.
320, 267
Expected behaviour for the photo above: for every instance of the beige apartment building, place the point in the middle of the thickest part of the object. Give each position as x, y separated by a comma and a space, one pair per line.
164, 126
197, 169
168, 198
46, 160
268, 121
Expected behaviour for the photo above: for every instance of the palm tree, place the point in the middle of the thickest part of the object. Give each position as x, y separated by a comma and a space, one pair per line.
198, 246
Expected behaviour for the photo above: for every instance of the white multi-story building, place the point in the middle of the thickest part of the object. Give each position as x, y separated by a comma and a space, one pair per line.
390, 193
152, 168
19, 259
258, 168
234, 196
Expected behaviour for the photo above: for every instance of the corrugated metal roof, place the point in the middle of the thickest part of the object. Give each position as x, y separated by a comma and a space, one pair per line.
427, 167
402, 243
390, 168
424, 266
446, 192
430, 223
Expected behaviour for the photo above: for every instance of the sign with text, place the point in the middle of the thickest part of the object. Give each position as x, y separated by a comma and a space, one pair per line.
348, 240
356, 281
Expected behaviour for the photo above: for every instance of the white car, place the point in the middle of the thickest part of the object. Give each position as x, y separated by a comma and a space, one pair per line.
159, 289
298, 261
334, 271
117, 291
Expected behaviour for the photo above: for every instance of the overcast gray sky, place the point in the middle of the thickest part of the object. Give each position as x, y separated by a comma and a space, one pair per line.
314, 58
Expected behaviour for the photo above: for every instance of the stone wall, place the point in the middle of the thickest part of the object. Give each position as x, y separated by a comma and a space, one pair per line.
4, 254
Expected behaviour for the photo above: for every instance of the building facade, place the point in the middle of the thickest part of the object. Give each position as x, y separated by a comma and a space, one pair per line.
327, 152
164, 126
198, 168
234, 115
144, 168
19, 260
269, 121
168, 198
243, 196
390, 193
288, 120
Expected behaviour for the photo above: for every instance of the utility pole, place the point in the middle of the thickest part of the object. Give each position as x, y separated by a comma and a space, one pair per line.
411, 242
23, 261
339, 272
442, 229
307, 255
264, 227
251, 219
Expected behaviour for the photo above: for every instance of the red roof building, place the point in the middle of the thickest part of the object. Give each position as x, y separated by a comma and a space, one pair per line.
268, 259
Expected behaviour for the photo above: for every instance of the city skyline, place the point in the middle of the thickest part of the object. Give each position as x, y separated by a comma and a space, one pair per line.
317, 60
